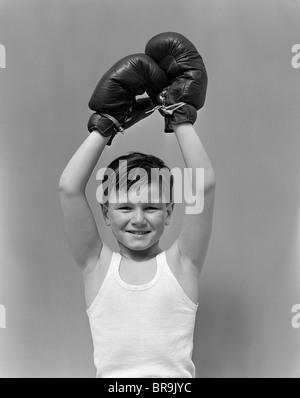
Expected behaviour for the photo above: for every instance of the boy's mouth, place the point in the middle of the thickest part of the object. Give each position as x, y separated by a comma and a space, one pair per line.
139, 232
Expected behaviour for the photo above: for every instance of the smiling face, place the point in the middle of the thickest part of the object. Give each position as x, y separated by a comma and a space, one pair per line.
138, 218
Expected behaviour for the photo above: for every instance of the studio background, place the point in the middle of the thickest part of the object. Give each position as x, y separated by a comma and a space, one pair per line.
56, 51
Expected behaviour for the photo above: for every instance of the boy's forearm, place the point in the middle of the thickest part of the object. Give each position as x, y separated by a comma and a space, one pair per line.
79, 169
193, 152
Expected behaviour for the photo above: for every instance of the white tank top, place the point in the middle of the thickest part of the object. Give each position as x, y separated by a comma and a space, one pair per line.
142, 330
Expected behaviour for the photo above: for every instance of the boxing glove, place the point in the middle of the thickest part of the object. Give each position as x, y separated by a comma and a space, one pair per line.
114, 98
185, 68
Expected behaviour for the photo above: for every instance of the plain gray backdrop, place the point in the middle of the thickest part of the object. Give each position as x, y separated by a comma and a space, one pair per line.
56, 53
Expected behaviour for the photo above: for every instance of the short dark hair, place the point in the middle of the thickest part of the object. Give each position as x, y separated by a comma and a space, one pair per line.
138, 160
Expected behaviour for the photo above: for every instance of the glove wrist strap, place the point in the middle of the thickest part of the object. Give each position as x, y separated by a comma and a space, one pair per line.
119, 128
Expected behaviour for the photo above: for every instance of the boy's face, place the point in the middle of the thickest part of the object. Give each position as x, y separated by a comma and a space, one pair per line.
138, 217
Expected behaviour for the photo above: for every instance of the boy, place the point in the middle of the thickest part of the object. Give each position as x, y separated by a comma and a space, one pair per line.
142, 300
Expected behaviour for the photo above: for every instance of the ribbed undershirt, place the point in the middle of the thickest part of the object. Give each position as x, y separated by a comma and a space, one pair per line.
142, 331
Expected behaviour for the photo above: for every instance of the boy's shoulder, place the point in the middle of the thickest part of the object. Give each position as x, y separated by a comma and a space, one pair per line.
93, 280
175, 261
172, 256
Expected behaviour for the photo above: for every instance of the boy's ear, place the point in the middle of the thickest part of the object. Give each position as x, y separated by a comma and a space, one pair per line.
105, 214
170, 208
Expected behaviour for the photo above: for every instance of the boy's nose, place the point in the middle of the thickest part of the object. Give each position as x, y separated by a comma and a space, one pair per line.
138, 217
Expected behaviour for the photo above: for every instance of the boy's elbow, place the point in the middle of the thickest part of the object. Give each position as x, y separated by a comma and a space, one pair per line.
62, 184
67, 187
210, 181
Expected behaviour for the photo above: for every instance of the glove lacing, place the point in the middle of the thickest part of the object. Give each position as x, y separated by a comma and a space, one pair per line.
168, 110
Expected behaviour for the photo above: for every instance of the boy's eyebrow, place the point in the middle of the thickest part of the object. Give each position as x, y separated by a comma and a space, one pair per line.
144, 203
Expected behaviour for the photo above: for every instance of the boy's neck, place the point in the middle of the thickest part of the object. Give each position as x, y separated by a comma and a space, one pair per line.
140, 255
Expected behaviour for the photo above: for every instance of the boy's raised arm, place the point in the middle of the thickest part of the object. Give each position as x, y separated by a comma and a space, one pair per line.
179, 103
197, 225
116, 107
80, 225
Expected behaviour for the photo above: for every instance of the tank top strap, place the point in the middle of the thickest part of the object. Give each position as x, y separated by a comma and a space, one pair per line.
166, 270
161, 261
115, 262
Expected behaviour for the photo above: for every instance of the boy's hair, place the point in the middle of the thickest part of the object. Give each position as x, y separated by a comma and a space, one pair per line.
136, 162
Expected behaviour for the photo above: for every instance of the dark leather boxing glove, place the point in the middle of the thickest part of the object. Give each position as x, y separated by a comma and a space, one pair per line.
184, 66
114, 99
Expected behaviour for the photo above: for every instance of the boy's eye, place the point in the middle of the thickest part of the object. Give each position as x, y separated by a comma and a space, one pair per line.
148, 208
